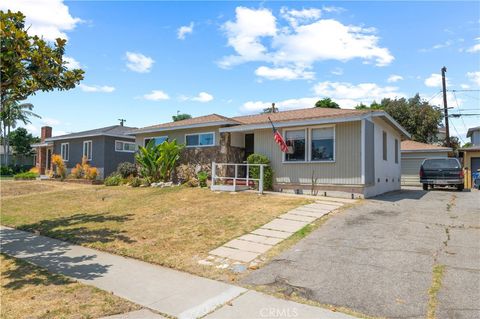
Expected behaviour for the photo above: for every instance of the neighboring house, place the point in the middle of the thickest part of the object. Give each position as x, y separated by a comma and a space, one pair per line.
474, 134
104, 148
471, 155
14, 159
352, 151
413, 154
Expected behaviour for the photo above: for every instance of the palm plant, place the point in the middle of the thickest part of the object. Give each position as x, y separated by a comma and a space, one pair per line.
157, 162
10, 114
169, 155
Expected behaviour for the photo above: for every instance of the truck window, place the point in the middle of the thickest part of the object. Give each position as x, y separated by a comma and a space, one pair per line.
441, 163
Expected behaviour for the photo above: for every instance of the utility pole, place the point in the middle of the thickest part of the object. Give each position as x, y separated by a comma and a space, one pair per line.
445, 107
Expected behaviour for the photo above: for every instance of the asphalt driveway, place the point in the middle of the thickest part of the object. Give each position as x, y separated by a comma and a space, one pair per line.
378, 258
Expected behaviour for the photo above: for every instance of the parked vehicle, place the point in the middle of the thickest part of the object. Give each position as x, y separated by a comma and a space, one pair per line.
441, 172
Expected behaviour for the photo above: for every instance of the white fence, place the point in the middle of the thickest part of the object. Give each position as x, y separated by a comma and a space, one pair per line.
235, 186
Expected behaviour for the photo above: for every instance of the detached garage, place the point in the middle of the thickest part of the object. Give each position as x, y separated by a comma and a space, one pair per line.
412, 155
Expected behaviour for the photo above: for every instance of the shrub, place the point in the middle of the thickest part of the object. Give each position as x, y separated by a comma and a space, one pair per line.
84, 170
255, 170
91, 173
25, 176
157, 162
193, 182
35, 170
202, 178
135, 181
77, 171
5, 170
113, 180
127, 169
60, 170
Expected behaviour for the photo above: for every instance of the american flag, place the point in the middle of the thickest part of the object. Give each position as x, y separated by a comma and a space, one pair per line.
278, 138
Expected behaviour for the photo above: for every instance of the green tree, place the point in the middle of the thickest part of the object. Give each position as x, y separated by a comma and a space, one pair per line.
28, 65
181, 116
418, 117
327, 103
21, 141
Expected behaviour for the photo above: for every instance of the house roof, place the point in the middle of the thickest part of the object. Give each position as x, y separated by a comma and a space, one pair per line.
472, 148
413, 146
471, 130
114, 130
206, 120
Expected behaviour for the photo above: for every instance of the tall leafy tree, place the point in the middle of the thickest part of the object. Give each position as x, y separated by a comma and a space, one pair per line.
418, 117
327, 103
21, 142
181, 116
28, 64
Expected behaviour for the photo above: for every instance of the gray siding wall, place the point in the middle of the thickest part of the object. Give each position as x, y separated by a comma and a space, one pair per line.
112, 157
345, 170
369, 152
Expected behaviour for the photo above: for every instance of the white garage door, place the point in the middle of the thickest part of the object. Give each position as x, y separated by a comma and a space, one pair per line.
410, 169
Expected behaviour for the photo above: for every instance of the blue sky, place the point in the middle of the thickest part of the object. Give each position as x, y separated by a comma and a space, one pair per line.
143, 61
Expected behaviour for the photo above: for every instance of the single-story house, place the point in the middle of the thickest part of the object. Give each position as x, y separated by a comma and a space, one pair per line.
104, 148
351, 151
413, 154
471, 155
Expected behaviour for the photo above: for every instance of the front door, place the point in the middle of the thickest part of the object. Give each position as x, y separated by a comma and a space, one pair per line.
49, 159
249, 146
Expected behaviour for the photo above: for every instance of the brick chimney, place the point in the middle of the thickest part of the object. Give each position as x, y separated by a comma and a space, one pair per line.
46, 132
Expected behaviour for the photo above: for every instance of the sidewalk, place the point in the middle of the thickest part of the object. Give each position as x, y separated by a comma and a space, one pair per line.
161, 289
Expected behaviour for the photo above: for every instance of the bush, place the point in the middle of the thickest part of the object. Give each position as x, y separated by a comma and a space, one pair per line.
202, 178
60, 170
5, 170
255, 170
77, 171
113, 180
127, 169
25, 176
193, 182
135, 181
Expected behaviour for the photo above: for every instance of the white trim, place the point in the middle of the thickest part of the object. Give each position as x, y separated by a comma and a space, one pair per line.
123, 148
181, 127
199, 133
67, 137
91, 150
308, 146
362, 151
61, 151
152, 137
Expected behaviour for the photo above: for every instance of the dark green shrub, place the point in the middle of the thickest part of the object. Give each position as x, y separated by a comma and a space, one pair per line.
113, 180
25, 176
127, 169
6, 171
267, 170
135, 181
202, 178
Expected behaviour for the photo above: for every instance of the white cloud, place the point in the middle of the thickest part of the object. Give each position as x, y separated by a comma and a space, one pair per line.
49, 19
49, 121
71, 63
138, 62
349, 95
283, 73
434, 80
476, 47
203, 97
255, 35
464, 86
290, 104
96, 88
156, 95
184, 30
394, 78
474, 77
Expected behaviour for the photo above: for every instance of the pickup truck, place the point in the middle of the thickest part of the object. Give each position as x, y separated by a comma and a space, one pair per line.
441, 172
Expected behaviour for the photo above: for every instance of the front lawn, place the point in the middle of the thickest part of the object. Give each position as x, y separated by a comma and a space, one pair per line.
31, 292
173, 227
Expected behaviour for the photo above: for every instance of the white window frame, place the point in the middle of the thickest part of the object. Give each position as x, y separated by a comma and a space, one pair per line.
91, 150
61, 152
199, 133
308, 146
153, 137
123, 148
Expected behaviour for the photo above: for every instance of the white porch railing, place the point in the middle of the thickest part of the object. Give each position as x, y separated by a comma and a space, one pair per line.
235, 185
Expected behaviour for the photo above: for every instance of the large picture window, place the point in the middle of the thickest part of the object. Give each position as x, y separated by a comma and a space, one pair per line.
65, 151
87, 150
200, 139
158, 140
321, 145
295, 140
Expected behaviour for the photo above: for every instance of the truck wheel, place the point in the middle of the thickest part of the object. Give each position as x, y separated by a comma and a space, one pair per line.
460, 188
425, 187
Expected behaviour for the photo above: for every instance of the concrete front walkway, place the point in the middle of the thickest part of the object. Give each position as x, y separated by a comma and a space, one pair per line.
161, 289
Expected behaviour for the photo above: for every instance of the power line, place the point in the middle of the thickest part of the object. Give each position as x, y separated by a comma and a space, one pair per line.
458, 107
463, 90
458, 134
